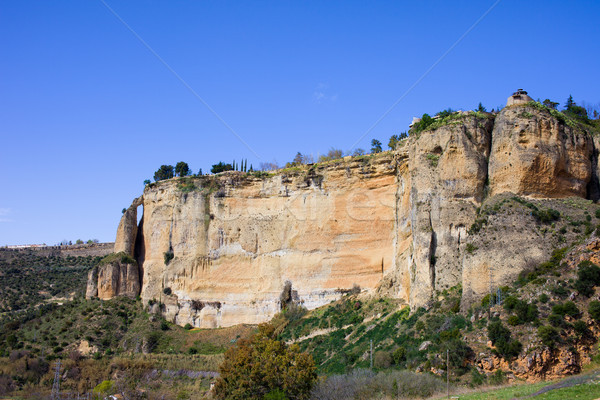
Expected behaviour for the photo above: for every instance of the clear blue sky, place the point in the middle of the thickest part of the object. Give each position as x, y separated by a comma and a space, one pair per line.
87, 112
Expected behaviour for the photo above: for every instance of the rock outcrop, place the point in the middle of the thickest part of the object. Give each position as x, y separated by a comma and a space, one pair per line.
127, 230
534, 154
218, 250
117, 274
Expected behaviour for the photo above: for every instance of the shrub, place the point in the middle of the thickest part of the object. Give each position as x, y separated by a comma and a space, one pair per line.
594, 310
588, 276
543, 298
167, 291
164, 325
106, 387
275, 395
548, 335
500, 337
164, 172
497, 378
364, 384
399, 355
382, 359
168, 256
546, 216
423, 124
581, 328
121, 257
253, 368
188, 326
568, 308
471, 248
556, 320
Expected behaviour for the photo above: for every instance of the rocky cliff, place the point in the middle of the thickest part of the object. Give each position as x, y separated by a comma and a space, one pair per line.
218, 250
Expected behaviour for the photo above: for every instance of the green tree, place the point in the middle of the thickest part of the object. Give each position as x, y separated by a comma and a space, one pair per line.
298, 159
550, 104
570, 103
481, 108
394, 139
221, 167
262, 365
594, 310
375, 146
164, 172
423, 124
147, 182
182, 169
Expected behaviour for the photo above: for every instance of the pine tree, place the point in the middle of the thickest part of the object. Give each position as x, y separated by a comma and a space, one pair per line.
570, 102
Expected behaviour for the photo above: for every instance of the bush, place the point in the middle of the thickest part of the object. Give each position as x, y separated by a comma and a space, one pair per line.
497, 332
168, 256
581, 328
164, 325
500, 338
188, 326
167, 291
121, 257
568, 308
588, 276
497, 378
548, 335
253, 368
399, 355
221, 167
594, 310
164, 172
364, 384
106, 387
546, 216
382, 359
423, 124
543, 298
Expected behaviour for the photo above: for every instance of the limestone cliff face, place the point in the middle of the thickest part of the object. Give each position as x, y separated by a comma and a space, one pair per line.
127, 230
117, 275
534, 154
237, 239
218, 250
447, 169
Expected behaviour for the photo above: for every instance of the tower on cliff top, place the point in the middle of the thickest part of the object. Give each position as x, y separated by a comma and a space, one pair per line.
518, 97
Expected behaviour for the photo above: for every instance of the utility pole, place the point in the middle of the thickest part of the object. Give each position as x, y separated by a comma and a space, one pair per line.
56, 385
491, 295
371, 353
448, 372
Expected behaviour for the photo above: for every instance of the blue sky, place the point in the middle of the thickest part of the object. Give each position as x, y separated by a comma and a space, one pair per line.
87, 112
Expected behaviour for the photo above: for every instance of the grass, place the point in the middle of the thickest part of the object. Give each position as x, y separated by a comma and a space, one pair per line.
505, 393
583, 387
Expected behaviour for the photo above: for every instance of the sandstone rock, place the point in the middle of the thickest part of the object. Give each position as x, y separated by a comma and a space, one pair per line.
534, 154
114, 278
236, 239
127, 230
447, 171
92, 284
396, 223
425, 345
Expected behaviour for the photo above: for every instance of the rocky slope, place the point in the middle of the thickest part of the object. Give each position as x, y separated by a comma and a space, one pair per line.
218, 250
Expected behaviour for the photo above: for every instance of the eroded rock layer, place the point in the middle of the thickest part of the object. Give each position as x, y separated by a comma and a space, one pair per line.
218, 250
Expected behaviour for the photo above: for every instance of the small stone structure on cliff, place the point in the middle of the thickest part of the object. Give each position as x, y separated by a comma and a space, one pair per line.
218, 250
518, 97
